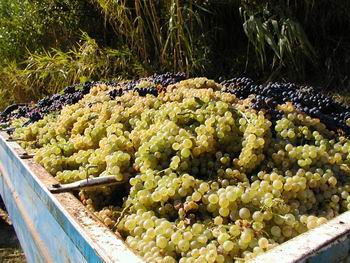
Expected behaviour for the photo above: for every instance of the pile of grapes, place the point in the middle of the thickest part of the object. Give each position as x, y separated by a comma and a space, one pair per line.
207, 172
35, 112
306, 99
72, 94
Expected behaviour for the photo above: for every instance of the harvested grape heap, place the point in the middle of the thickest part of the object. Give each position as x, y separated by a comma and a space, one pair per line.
74, 93
204, 177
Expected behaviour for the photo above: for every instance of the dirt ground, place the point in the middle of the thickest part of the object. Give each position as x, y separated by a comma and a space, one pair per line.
10, 249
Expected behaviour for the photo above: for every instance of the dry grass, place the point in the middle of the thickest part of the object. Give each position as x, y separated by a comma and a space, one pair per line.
11, 255
10, 250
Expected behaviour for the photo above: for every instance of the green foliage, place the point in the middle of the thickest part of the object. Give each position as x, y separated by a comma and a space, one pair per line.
269, 29
40, 52
36, 24
163, 33
85, 62
50, 71
19, 28
312, 36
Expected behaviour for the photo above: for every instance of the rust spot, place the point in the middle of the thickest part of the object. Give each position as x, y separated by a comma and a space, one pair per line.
118, 234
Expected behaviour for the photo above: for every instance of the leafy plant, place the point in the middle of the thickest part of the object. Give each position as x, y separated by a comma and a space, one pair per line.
270, 29
40, 48
161, 33
37, 24
49, 71
19, 28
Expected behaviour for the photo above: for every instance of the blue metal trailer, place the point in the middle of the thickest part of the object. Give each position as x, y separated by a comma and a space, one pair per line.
52, 227
58, 228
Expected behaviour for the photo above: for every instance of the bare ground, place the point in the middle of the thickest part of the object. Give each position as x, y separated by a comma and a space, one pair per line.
10, 249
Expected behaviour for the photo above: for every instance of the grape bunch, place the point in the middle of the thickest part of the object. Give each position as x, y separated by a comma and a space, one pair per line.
74, 93
54, 103
142, 91
150, 85
306, 99
205, 175
167, 79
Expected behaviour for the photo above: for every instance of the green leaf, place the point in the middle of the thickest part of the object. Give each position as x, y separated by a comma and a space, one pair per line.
199, 101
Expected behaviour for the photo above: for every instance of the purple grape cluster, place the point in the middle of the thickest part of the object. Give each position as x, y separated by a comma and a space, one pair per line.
168, 78
70, 95
306, 99
157, 82
116, 93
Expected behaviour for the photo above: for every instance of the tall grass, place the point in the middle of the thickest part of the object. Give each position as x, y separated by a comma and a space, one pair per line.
300, 39
49, 71
271, 30
161, 33
294, 40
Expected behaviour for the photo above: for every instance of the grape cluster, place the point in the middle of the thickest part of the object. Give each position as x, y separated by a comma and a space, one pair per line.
8, 112
306, 99
204, 176
167, 79
54, 103
150, 85
116, 93
142, 91
72, 94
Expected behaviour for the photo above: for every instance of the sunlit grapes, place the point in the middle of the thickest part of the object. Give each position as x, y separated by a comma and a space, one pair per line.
206, 178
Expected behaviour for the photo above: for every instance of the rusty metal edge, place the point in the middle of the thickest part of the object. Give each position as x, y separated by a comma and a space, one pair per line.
102, 239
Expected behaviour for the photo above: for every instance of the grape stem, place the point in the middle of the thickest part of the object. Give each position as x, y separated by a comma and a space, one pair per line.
242, 114
122, 214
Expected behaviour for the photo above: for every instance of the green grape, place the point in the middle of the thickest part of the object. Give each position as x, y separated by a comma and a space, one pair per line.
183, 245
263, 243
244, 213
276, 231
202, 176
161, 242
213, 199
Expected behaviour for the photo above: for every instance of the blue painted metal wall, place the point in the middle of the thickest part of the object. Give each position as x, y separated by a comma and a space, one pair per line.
45, 232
